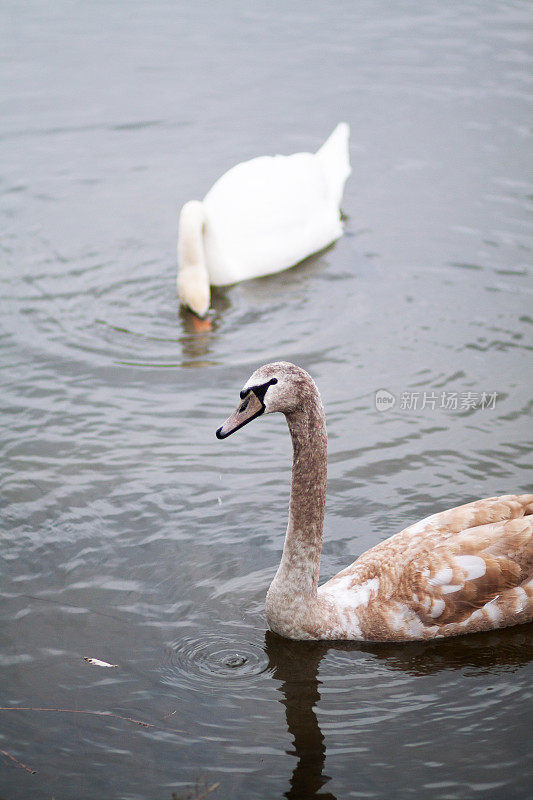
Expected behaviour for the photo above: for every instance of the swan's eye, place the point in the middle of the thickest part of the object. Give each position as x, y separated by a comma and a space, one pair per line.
243, 406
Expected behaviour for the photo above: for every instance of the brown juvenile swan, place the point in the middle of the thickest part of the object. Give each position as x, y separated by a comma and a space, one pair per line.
463, 570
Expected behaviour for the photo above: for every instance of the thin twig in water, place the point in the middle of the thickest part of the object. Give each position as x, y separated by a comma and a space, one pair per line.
19, 763
76, 711
208, 790
193, 795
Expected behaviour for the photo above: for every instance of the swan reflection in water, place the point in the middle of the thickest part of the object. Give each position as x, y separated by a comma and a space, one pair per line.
197, 335
296, 665
268, 299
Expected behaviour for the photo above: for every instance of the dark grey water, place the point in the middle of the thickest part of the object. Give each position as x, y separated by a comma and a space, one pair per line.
131, 534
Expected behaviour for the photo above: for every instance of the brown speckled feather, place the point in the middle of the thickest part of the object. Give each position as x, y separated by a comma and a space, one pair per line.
461, 570
469, 570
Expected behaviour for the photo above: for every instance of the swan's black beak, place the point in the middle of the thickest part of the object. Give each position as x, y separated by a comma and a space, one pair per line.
250, 408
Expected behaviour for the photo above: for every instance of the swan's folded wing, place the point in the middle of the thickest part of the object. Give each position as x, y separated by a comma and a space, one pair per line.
447, 584
268, 214
471, 515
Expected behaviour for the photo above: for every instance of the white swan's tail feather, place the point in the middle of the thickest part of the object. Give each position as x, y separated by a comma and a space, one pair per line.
335, 157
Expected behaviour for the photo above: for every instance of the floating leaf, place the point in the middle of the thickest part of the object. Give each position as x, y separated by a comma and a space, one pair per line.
98, 663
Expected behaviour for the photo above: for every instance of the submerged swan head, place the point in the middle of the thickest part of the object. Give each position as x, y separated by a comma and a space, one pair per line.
280, 386
193, 278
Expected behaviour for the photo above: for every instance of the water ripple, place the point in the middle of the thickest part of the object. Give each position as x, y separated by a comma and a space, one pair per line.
212, 657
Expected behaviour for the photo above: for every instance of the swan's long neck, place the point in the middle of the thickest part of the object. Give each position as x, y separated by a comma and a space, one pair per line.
300, 563
193, 276
190, 239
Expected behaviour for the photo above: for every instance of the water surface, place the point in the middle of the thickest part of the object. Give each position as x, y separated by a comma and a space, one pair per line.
131, 534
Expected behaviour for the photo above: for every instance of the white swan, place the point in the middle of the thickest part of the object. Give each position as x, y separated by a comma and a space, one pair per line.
261, 216
463, 570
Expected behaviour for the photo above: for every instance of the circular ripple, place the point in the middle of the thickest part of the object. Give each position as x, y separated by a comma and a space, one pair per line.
211, 657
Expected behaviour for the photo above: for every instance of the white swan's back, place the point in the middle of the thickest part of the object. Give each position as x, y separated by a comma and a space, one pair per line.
269, 213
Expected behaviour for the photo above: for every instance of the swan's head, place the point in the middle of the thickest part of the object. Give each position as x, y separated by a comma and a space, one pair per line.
193, 277
280, 386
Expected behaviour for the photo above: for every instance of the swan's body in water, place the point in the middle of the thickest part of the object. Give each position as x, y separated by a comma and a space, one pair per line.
458, 571
260, 217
